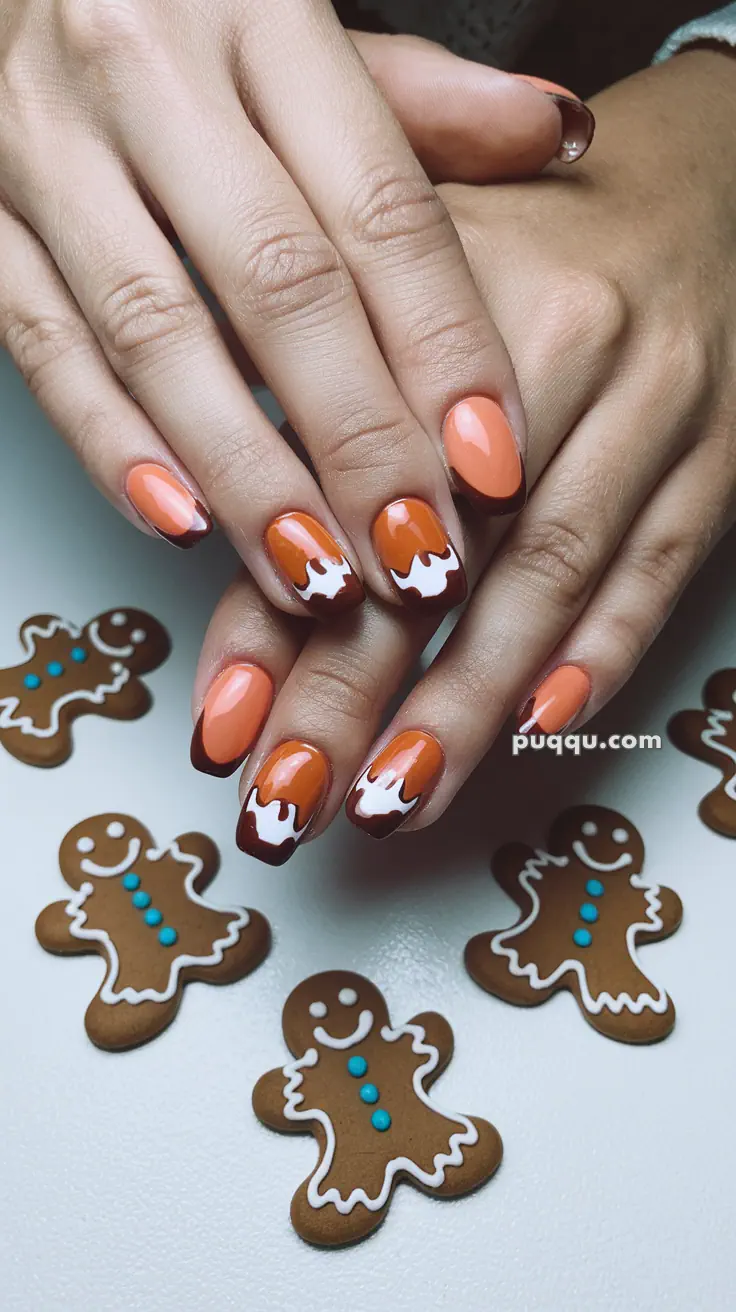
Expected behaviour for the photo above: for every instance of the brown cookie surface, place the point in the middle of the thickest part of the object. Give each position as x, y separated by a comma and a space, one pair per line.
141, 909
585, 906
361, 1088
710, 735
68, 672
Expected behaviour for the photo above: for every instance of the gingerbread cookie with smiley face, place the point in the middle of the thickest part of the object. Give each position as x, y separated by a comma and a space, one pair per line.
141, 909
710, 735
361, 1088
68, 672
585, 906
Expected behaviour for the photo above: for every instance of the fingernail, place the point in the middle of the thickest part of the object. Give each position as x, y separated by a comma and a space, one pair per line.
483, 456
418, 556
167, 505
310, 560
399, 779
288, 793
578, 122
232, 717
557, 701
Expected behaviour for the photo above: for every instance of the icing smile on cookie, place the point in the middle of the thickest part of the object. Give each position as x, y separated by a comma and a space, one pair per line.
583, 854
361, 1032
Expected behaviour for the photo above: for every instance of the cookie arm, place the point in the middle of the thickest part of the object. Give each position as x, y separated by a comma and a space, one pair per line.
670, 914
506, 866
685, 730
202, 847
130, 703
438, 1032
52, 932
268, 1103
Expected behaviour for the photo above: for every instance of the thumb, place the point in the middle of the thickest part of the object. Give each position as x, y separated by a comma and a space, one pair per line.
468, 122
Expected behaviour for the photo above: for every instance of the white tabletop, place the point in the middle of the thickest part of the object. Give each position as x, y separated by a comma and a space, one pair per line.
143, 1181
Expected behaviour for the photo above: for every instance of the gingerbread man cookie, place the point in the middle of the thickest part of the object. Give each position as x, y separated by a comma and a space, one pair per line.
140, 907
585, 906
710, 736
68, 672
361, 1088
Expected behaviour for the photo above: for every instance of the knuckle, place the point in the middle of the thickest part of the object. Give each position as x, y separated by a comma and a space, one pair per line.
231, 465
556, 558
390, 209
145, 312
594, 304
289, 276
341, 684
663, 565
361, 442
100, 28
41, 346
689, 365
433, 344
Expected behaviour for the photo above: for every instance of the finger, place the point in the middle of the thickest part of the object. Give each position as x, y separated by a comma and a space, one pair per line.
534, 590
285, 288
578, 122
668, 542
400, 246
466, 122
61, 361
162, 342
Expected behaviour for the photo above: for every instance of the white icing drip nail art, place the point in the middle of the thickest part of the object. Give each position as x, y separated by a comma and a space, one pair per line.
429, 580
326, 585
270, 827
380, 798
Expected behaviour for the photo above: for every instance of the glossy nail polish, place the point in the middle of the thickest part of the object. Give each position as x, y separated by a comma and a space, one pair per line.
557, 701
578, 122
232, 717
396, 782
483, 456
418, 556
287, 794
167, 506
310, 560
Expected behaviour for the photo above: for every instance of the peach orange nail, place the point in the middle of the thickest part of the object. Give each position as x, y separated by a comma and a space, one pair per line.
483, 456
167, 505
313, 564
396, 782
418, 556
287, 794
232, 717
557, 701
578, 122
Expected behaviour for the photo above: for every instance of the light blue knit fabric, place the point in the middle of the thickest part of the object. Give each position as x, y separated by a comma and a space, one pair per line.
719, 26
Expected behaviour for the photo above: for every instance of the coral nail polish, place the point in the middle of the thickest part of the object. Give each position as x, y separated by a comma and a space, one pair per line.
418, 556
167, 505
483, 456
557, 701
313, 564
287, 794
578, 122
232, 717
396, 782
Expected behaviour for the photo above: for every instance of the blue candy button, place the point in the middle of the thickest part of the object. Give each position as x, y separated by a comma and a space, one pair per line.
583, 938
153, 916
141, 900
594, 888
588, 913
31, 681
131, 882
78, 654
54, 668
167, 937
357, 1066
369, 1093
380, 1120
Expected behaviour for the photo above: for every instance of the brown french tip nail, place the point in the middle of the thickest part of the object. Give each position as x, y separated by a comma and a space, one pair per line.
483, 456
286, 796
312, 563
418, 556
578, 122
396, 783
233, 714
557, 701
167, 505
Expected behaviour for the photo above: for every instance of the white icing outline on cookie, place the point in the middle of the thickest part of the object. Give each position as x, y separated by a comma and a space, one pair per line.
97, 695
716, 728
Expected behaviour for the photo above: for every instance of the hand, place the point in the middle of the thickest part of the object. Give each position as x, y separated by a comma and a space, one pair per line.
624, 347
255, 133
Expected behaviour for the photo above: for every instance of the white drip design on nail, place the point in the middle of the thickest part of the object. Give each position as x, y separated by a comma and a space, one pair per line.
381, 798
271, 828
97, 695
453, 1156
717, 728
327, 584
78, 916
535, 870
430, 579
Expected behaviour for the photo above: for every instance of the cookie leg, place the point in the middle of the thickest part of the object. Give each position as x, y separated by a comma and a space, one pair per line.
243, 957
44, 752
648, 1027
133, 701
121, 1025
327, 1227
480, 1161
492, 972
718, 812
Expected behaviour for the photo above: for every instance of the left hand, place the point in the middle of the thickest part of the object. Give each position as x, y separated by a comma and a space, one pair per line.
615, 291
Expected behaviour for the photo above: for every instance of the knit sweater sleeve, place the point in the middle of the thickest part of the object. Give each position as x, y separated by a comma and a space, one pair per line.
718, 26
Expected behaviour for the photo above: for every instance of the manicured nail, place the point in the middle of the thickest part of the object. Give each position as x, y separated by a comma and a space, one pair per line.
288, 792
399, 779
418, 556
558, 700
578, 122
232, 717
483, 456
167, 505
311, 561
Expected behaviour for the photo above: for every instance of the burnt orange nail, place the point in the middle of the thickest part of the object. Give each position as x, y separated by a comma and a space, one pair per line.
557, 701
483, 456
167, 505
311, 561
399, 779
578, 122
287, 794
232, 717
418, 556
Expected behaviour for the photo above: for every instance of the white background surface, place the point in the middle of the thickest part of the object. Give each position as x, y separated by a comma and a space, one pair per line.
143, 1181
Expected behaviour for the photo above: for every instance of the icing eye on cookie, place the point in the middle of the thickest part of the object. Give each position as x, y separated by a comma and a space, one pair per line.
348, 997
318, 1010
589, 828
115, 829
620, 835
85, 844
119, 618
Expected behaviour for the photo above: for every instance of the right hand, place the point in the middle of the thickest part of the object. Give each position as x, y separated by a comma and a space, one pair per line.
256, 134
